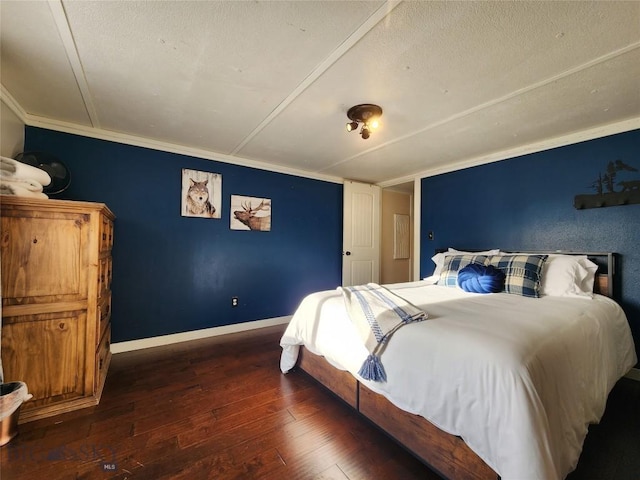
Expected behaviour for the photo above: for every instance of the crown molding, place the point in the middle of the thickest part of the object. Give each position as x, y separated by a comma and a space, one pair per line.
102, 134
496, 101
546, 144
126, 139
13, 105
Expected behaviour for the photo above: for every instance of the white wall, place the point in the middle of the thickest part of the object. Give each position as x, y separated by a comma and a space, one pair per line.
11, 132
393, 270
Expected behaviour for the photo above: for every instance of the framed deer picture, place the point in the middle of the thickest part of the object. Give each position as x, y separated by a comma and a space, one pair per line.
201, 194
250, 213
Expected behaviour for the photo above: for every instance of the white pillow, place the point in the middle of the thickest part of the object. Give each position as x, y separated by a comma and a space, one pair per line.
568, 276
588, 281
438, 258
431, 280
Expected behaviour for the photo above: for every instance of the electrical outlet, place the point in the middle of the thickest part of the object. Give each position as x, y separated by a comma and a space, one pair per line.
234, 301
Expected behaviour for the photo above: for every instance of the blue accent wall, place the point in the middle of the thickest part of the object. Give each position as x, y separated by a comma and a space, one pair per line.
175, 274
526, 203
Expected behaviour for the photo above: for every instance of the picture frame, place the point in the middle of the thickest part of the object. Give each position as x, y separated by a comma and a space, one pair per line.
201, 194
250, 213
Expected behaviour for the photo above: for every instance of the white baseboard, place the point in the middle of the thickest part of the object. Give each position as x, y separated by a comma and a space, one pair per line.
131, 345
633, 374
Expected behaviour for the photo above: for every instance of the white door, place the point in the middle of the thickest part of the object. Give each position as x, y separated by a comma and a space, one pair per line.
361, 234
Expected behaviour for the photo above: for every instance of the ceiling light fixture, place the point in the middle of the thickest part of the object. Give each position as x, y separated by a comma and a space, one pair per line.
367, 114
352, 126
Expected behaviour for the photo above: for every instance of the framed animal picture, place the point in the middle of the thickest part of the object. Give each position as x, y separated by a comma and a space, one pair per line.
201, 194
250, 213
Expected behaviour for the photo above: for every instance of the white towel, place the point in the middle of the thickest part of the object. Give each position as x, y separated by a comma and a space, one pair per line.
14, 170
30, 185
12, 188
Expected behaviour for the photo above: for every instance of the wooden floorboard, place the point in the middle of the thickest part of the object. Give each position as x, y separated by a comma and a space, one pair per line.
219, 408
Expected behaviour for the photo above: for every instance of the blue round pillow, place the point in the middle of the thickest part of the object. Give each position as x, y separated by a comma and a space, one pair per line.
476, 278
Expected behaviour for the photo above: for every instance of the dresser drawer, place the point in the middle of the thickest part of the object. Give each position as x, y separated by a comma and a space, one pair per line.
104, 315
106, 234
105, 274
103, 357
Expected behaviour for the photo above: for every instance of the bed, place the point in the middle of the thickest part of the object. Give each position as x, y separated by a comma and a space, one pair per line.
499, 385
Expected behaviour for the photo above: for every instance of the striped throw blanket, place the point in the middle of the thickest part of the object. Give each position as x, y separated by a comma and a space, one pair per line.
377, 313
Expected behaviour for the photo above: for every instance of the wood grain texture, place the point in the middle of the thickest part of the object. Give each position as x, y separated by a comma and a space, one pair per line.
56, 279
219, 408
339, 382
446, 453
601, 285
216, 408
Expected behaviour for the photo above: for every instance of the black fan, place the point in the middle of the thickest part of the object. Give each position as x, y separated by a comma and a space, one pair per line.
58, 171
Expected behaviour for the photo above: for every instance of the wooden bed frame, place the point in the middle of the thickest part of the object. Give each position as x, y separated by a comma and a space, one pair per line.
441, 451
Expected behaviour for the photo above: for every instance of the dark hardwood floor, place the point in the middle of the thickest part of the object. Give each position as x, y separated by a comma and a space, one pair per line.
219, 408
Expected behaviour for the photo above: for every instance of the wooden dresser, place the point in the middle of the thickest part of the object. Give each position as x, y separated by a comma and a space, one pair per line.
56, 301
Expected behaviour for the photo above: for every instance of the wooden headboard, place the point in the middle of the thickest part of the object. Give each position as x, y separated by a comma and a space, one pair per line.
605, 260
605, 274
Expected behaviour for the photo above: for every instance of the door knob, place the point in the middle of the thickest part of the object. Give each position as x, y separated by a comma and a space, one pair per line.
347, 253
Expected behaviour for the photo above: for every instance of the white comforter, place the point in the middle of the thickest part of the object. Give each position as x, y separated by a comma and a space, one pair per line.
519, 379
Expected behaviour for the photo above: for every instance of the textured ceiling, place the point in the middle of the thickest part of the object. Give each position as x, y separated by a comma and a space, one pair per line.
269, 83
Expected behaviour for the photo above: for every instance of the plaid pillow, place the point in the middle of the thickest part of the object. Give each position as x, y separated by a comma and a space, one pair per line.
454, 263
522, 273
